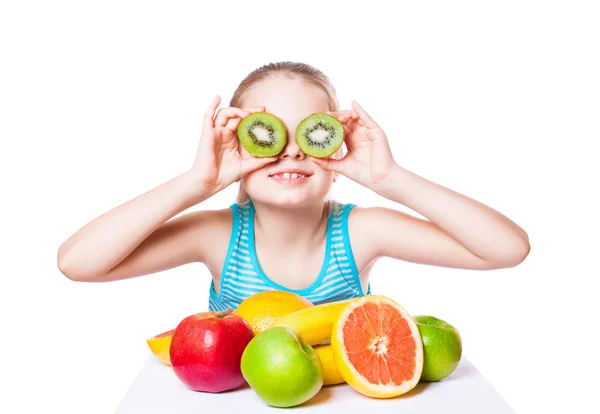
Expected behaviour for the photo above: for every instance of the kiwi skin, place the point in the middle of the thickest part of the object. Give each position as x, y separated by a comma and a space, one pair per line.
319, 120
275, 127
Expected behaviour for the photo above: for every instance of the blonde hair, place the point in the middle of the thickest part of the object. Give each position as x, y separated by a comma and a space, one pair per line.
297, 70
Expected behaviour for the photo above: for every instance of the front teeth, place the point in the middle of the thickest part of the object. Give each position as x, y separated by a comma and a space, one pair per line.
287, 176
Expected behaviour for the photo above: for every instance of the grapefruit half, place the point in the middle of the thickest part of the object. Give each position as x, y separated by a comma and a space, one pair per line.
377, 347
160, 345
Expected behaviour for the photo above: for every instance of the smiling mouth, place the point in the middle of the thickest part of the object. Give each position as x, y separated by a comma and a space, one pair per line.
287, 176
290, 178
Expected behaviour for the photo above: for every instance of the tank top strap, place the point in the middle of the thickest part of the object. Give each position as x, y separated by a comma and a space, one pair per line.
238, 277
356, 282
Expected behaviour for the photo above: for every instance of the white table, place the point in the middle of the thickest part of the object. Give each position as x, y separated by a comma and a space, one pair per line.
157, 390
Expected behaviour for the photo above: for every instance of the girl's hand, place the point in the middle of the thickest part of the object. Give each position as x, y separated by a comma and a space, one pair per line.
369, 158
218, 162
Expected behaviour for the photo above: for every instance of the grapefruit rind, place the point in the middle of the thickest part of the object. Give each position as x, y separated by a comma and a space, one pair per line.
160, 344
347, 370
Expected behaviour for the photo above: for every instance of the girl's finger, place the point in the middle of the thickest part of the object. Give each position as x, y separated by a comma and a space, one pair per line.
347, 130
352, 122
330, 164
232, 124
254, 163
348, 117
350, 140
364, 117
341, 115
210, 112
225, 114
255, 109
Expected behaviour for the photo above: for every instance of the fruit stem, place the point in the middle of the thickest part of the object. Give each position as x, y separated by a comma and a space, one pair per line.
224, 313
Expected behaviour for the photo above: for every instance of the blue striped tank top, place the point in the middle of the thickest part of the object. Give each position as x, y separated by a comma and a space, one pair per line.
242, 275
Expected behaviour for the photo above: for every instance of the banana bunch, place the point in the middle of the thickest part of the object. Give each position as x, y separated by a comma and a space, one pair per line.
330, 372
314, 325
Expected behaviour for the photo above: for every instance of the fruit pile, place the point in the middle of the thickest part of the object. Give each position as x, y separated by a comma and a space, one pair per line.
286, 348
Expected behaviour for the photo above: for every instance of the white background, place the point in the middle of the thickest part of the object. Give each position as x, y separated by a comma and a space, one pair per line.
100, 103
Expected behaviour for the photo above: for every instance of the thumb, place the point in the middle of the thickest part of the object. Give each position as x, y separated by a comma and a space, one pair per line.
330, 164
255, 163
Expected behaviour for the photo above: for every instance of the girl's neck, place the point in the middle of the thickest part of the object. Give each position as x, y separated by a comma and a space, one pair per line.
281, 228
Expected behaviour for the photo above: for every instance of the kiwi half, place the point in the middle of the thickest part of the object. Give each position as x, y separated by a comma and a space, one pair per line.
262, 134
320, 135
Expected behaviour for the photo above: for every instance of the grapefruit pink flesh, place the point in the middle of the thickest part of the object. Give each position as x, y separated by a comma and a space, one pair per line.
377, 347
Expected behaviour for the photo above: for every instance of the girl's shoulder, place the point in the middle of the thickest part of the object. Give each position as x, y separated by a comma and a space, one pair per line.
212, 219
355, 217
364, 220
374, 228
362, 229
211, 229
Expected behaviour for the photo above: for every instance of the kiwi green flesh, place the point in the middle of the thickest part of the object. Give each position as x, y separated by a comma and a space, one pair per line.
320, 135
262, 134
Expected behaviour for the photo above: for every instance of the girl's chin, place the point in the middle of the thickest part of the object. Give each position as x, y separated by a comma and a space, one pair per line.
291, 198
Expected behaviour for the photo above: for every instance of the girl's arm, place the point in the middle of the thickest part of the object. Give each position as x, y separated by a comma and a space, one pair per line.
135, 238
97, 251
461, 232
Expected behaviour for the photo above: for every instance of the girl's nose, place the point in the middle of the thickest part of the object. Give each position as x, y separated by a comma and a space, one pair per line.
291, 149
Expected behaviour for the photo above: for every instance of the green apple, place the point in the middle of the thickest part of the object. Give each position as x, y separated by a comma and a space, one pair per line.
281, 368
442, 347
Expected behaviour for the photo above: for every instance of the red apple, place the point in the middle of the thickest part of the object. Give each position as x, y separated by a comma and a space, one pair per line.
206, 350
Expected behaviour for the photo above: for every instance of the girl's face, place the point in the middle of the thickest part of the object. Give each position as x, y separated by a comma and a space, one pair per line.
291, 100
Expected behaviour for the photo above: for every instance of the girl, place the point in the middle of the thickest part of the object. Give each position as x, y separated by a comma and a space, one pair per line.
282, 233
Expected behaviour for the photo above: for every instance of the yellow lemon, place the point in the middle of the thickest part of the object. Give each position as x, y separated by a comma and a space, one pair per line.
262, 309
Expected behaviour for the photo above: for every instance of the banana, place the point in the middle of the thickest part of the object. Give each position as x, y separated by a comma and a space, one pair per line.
330, 372
314, 324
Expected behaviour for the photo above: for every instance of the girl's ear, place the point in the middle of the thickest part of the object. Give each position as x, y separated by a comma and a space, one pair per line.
335, 175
